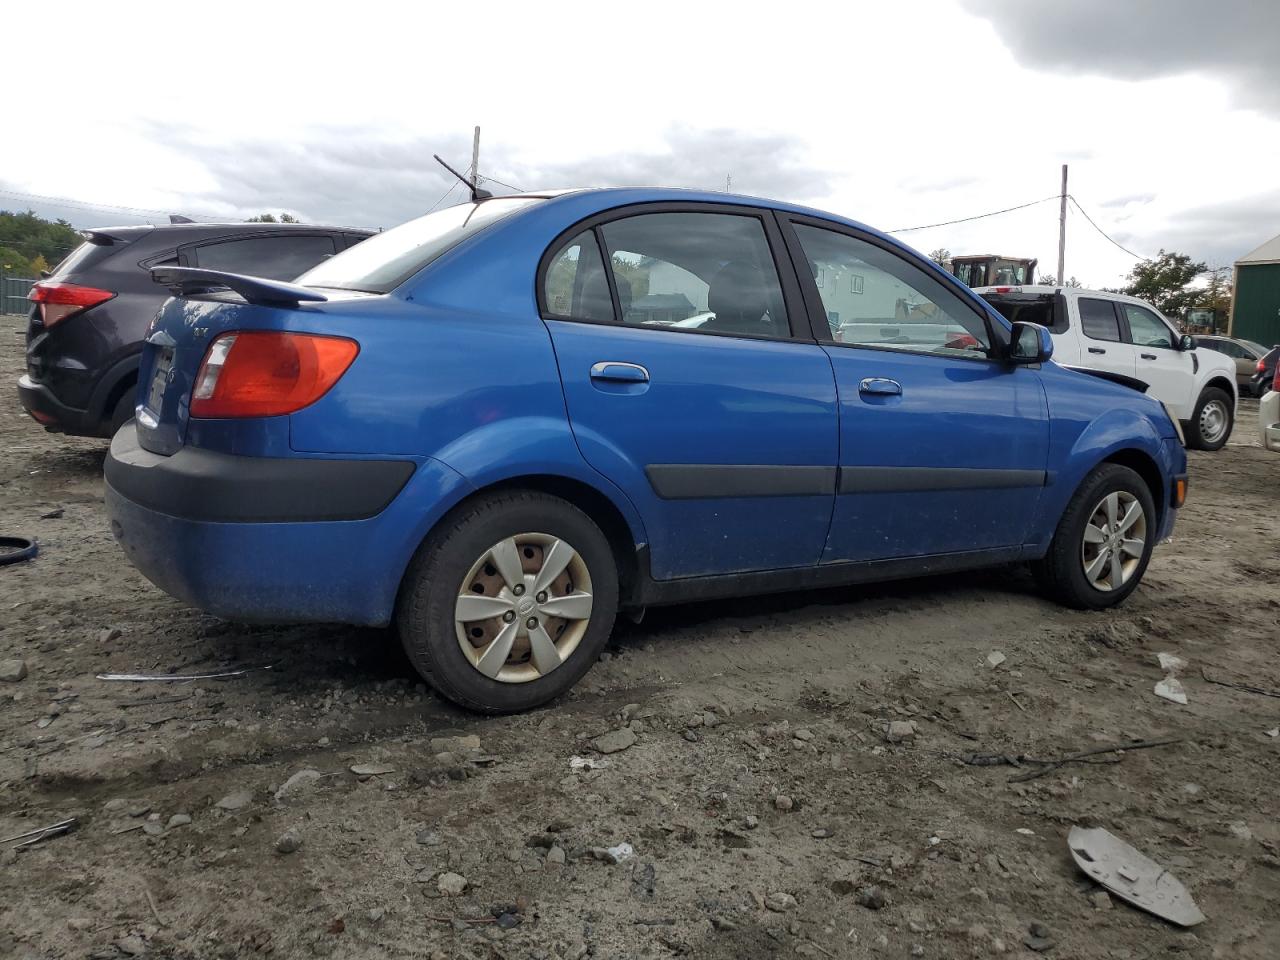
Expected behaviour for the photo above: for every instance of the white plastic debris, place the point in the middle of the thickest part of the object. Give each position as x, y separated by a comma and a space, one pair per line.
1274, 732
1171, 662
1170, 688
1025, 831
623, 851
587, 763
1132, 876
995, 658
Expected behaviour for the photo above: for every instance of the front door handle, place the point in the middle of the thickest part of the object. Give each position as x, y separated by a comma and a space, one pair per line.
619, 372
879, 386
1148, 356
1096, 350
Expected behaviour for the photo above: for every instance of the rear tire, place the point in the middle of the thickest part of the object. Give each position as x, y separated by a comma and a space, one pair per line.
1212, 420
1086, 532
123, 411
492, 551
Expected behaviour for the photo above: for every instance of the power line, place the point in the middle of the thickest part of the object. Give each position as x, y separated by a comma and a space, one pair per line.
501, 184
993, 213
1135, 256
86, 205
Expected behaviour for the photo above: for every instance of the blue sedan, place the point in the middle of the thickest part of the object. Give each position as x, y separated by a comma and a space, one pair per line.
499, 424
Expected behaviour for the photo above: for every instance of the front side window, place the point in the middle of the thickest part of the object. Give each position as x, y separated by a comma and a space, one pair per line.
875, 298
575, 285
707, 272
1098, 319
1146, 329
275, 258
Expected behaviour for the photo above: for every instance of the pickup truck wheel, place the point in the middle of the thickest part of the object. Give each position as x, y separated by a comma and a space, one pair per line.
509, 602
1212, 420
1103, 542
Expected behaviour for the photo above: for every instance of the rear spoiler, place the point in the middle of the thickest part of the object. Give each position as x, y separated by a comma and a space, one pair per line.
1132, 383
189, 281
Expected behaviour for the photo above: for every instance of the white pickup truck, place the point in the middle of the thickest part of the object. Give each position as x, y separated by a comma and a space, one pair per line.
1129, 340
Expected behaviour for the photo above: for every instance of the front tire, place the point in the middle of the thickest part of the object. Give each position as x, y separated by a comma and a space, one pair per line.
1103, 542
1211, 423
509, 602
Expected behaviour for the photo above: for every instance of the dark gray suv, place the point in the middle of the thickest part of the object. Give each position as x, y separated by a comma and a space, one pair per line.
89, 316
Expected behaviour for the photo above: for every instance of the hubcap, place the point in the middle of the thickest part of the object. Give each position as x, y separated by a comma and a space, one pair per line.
1114, 540
523, 607
1213, 421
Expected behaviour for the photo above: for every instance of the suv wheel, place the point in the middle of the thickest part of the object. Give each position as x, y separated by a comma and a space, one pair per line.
509, 603
1103, 541
1212, 420
122, 413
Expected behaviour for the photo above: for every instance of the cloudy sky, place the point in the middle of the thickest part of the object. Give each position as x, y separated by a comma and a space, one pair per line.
896, 114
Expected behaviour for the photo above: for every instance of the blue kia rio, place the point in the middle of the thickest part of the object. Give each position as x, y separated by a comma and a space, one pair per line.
499, 424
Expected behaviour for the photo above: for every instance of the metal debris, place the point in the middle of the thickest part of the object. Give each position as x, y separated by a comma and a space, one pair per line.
1132, 876
587, 763
179, 678
32, 837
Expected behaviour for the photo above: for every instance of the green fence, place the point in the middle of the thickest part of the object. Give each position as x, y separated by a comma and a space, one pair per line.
13, 293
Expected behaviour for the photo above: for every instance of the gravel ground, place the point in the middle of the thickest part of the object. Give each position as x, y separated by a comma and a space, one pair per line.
766, 811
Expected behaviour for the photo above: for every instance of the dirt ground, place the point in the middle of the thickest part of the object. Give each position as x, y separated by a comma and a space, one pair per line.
760, 797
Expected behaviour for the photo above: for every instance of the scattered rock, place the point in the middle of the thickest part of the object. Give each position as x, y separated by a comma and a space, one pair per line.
1038, 938
783, 802
428, 838
235, 801
13, 670
467, 744
723, 924
873, 898
289, 842
629, 711
1100, 899
691, 736
995, 658
133, 946
802, 734
452, 884
751, 821
79, 923
780, 902
372, 769
822, 833
556, 855
1240, 830
899, 730
178, 820
152, 829
376, 914
507, 921
297, 783
615, 740
137, 808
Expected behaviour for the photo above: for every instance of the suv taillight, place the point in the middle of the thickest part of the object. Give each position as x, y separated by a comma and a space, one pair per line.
59, 300
1261, 367
268, 374
1275, 381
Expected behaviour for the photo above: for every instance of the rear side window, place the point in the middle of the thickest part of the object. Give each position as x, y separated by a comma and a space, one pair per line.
275, 258
703, 272
575, 285
1146, 329
1098, 319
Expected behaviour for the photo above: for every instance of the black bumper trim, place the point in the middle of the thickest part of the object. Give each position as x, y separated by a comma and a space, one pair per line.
36, 398
205, 485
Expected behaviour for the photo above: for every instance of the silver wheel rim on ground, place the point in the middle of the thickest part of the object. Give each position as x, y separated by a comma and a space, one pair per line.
1213, 421
1115, 538
523, 607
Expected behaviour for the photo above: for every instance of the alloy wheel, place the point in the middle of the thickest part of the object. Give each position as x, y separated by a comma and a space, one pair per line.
523, 607
1114, 541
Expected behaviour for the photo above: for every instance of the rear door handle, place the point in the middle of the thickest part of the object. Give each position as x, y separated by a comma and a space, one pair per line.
619, 372
1148, 356
880, 386
1096, 350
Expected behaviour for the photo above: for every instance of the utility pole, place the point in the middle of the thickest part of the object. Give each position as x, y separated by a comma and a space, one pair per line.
475, 165
1061, 231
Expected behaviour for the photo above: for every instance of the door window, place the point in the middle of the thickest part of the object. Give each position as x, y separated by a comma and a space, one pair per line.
275, 258
1146, 329
1098, 319
575, 286
875, 298
700, 272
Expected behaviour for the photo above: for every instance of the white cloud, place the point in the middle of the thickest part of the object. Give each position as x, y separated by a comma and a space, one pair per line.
893, 114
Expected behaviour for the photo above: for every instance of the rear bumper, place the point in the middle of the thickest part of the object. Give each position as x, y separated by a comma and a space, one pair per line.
1269, 421
51, 413
258, 539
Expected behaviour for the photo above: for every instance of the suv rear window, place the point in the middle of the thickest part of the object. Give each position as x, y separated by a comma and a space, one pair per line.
386, 260
1028, 308
83, 257
276, 258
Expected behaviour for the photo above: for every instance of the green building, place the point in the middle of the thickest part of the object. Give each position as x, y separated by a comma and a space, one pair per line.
1255, 305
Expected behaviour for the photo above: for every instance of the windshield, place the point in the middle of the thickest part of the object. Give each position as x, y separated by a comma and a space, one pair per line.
386, 260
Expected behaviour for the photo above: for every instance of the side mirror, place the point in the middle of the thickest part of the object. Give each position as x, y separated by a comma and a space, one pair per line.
1029, 343
1186, 343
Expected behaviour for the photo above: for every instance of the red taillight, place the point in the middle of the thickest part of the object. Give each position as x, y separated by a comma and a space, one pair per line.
59, 300
262, 374
1262, 367
1003, 289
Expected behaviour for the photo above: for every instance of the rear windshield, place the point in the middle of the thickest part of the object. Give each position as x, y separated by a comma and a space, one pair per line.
1033, 309
83, 257
386, 260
